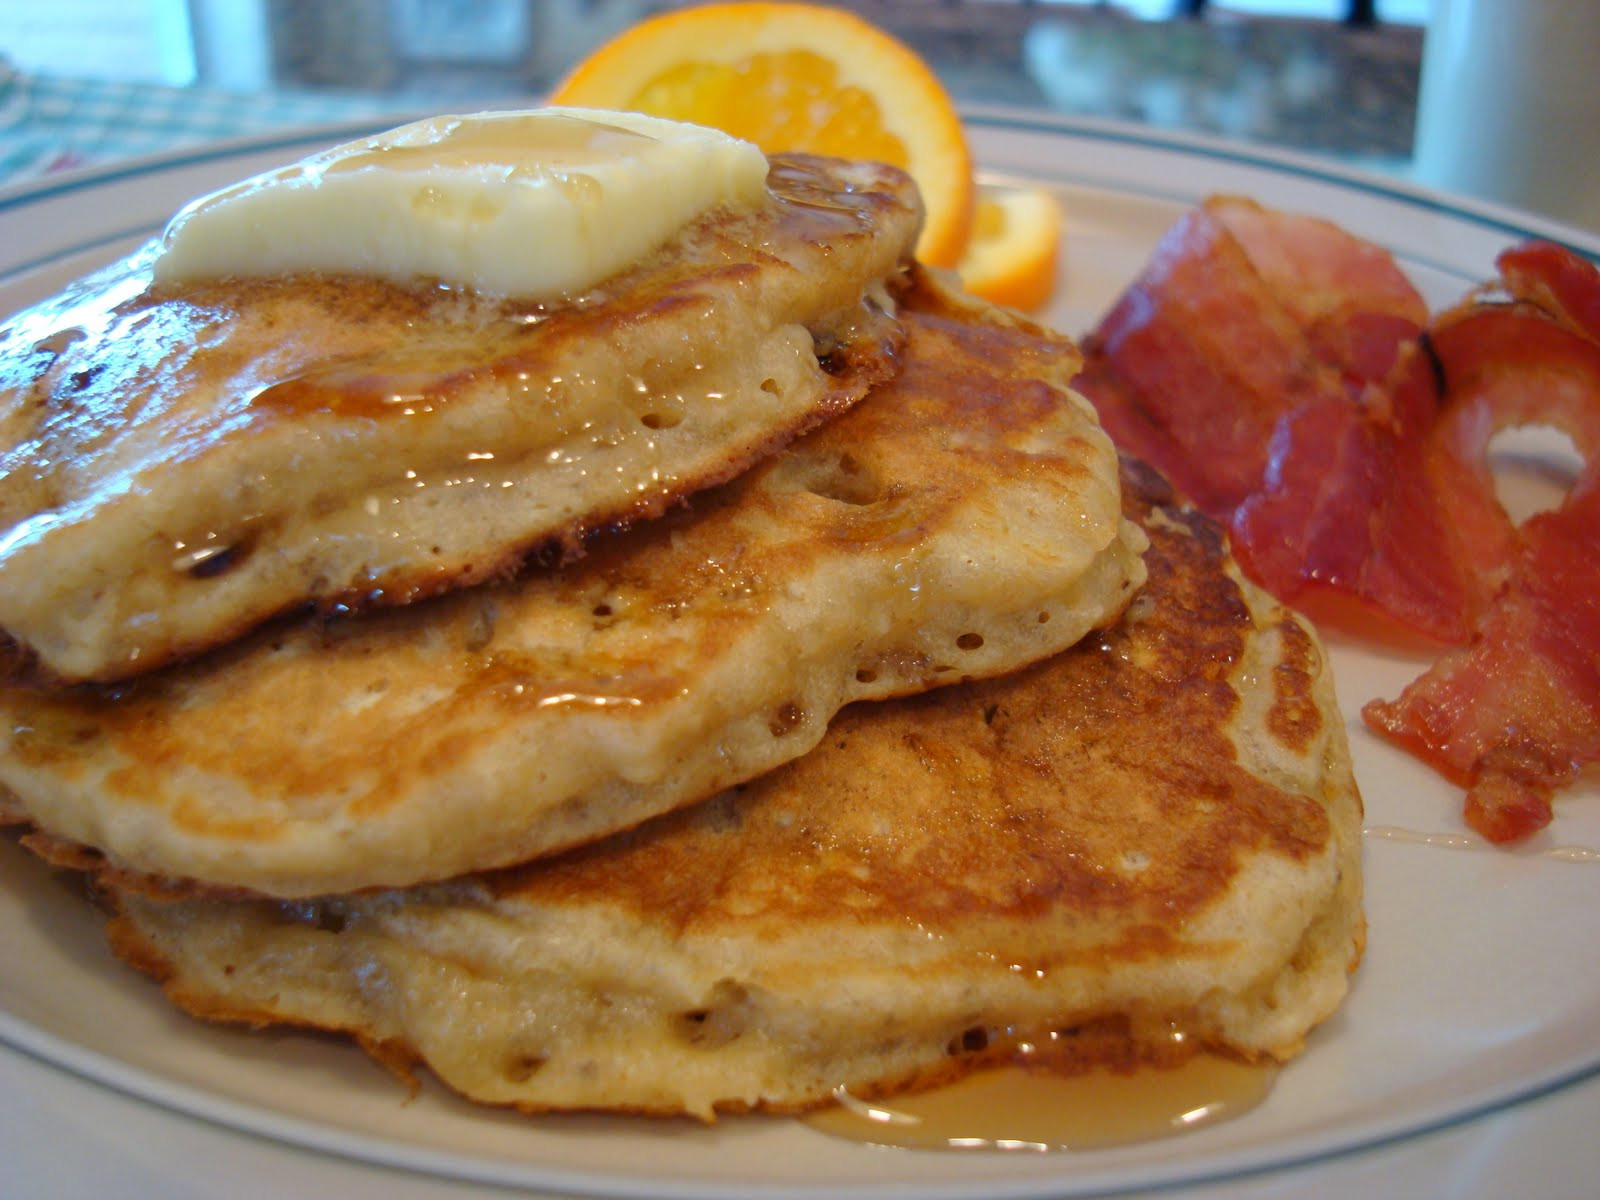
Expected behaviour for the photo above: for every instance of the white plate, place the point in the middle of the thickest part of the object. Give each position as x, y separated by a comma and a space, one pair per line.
1480, 990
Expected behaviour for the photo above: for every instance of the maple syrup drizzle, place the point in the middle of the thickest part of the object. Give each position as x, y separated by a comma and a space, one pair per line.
1462, 841
1030, 1107
1574, 854
1415, 837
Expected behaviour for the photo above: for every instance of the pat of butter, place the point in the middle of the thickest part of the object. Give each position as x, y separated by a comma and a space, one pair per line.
538, 203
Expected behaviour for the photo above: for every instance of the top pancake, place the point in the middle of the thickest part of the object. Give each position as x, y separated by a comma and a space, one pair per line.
961, 521
177, 465
1153, 834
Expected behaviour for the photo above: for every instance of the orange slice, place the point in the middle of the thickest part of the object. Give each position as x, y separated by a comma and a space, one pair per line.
794, 77
1015, 245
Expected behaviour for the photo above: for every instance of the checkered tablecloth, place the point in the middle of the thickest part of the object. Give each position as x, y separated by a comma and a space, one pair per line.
50, 124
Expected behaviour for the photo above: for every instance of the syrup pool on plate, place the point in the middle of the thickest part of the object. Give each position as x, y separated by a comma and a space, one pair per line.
1031, 1106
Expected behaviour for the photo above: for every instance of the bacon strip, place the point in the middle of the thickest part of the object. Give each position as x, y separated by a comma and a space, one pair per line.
1371, 503
1516, 714
1346, 525
1556, 280
1241, 316
1353, 303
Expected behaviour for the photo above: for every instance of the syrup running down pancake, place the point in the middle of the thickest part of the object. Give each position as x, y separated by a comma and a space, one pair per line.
962, 521
179, 462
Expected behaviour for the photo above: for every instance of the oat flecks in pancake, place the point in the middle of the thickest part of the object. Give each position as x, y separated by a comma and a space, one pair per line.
961, 521
1157, 828
178, 465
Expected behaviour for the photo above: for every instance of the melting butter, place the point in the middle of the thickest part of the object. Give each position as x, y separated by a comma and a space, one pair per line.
538, 203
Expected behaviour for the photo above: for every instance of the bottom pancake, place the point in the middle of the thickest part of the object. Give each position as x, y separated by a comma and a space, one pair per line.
1155, 832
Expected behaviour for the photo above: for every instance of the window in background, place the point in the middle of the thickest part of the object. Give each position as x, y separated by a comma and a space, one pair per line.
232, 43
461, 30
132, 41
1400, 12
1290, 72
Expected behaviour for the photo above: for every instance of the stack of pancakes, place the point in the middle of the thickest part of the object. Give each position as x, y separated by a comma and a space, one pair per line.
471, 677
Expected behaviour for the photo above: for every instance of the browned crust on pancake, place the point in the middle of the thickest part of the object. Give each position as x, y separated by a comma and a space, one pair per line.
855, 365
975, 838
1104, 1042
1294, 720
143, 956
914, 541
1006, 735
323, 357
68, 855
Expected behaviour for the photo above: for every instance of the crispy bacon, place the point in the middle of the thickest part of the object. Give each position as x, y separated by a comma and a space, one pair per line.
1346, 526
1513, 716
1350, 299
1516, 714
1400, 532
1556, 280
1242, 316
1371, 504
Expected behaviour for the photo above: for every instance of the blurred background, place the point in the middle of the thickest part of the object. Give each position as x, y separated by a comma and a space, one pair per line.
85, 79
1498, 99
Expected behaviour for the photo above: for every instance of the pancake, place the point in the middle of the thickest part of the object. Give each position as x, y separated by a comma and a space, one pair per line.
179, 463
1154, 833
960, 522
